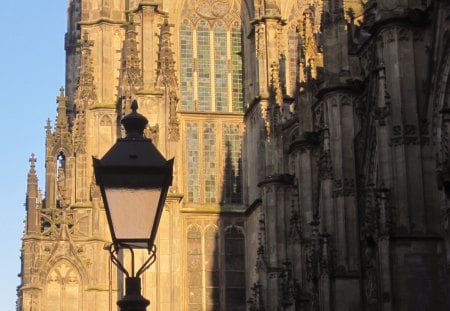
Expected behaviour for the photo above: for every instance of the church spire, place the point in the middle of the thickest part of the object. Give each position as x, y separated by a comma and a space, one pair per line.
32, 203
133, 72
62, 123
166, 77
131, 66
86, 92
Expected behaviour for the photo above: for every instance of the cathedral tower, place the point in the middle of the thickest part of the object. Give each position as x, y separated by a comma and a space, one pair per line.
310, 141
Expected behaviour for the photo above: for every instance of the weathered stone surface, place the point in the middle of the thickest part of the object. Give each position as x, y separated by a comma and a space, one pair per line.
311, 155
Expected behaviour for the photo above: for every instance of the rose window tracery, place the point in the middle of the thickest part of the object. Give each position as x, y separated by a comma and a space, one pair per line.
212, 8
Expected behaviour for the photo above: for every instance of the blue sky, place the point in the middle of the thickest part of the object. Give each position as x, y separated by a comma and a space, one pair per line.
32, 65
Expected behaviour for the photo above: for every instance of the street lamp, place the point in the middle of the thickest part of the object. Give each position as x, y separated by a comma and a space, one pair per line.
134, 179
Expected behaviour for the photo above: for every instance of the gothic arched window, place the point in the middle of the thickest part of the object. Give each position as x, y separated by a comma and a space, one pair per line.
220, 66
204, 67
236, 62
235, 269
211, 77
193, 171
63, 289
194, 268
211, 64
215, 268
187, 67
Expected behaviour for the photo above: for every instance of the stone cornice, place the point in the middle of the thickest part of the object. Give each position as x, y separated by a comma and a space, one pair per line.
145, 4
347, 86
308, 141
81, 205
215, 209
265, 18
211, 114
150, 92
102, 20
102, 106
283, 179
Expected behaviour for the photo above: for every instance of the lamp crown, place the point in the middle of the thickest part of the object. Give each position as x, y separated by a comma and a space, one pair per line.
134, 122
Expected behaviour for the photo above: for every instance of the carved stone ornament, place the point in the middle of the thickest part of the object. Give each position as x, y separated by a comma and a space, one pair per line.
166, 78
211, 8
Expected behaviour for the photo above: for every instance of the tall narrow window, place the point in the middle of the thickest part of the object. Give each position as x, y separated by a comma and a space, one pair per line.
194, 269
192, 153
204, 67
232, 184
63, 289
220, 63
212, 277
218, 50
186, 67
209, 158
236, 61
235, 269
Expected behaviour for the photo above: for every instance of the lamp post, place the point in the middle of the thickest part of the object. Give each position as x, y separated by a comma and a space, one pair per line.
134, 179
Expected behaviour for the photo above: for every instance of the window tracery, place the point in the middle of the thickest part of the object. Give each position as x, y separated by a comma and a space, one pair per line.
219, 163
204, 64
63, 288
215, 267
215, 35
186, 67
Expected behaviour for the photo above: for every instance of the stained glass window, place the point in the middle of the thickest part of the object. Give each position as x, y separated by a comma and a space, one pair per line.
212, 276
204, 67
192, 153
209, 158
215, 265
194, 269
186, 68
235, 269
236, 61
220, 63
232, 184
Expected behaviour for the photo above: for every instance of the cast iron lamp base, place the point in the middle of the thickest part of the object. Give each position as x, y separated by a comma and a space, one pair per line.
133, 300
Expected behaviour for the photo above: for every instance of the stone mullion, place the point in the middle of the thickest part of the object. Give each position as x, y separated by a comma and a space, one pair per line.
212, 65
220, 159
230, 71
201, 158
222, 267
195, 69
203, 248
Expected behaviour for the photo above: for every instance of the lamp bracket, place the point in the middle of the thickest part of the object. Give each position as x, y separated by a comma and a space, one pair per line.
114, 252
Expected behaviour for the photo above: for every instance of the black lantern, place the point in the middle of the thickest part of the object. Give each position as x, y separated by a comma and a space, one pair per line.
134, 179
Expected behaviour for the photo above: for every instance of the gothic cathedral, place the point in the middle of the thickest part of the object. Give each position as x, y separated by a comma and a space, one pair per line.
311, 145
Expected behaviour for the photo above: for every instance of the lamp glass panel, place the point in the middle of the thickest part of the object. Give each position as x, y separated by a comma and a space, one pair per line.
132, 211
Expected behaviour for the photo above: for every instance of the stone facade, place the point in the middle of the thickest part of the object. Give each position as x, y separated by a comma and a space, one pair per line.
311, 155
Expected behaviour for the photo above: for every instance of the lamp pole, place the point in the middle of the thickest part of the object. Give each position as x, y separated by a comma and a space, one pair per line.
134, 179
133, 300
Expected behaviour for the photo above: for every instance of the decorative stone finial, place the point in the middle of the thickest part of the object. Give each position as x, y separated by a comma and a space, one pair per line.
32, 161
134, 122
